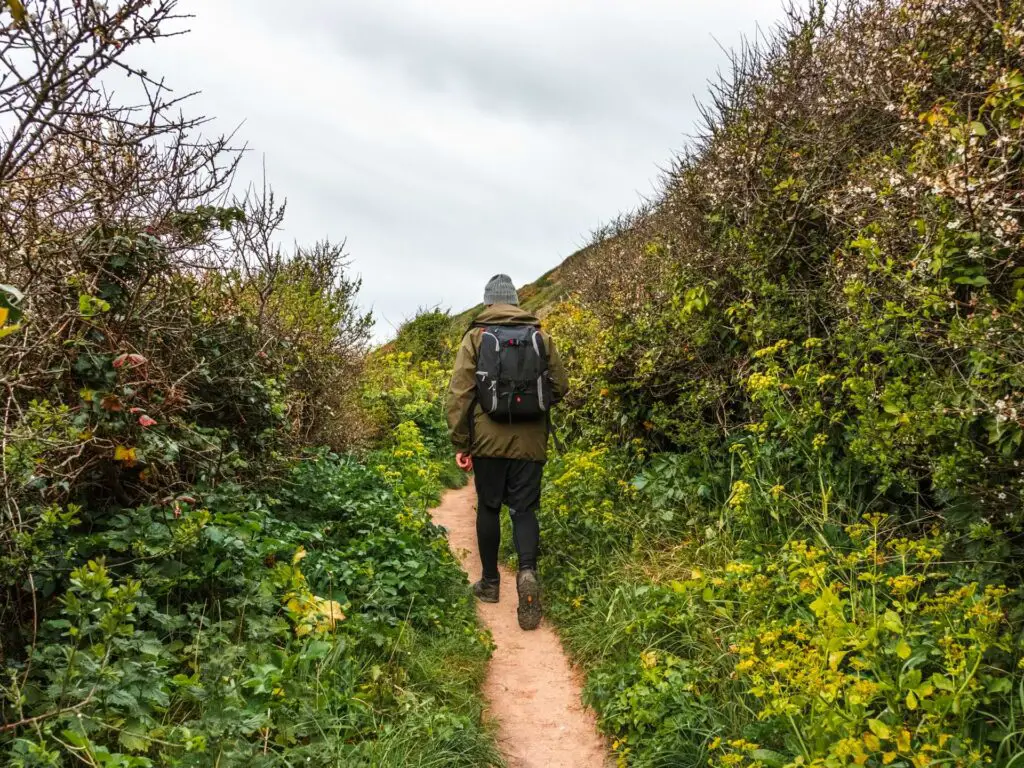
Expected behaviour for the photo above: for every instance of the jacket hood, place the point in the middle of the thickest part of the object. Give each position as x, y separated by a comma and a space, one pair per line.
506, 314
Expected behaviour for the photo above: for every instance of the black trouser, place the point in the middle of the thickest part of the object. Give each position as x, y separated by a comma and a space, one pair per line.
516, 483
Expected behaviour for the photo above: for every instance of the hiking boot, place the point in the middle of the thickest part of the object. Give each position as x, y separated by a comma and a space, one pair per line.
486, 591
529, 610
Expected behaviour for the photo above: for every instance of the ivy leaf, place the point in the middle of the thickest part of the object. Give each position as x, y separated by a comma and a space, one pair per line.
942, 683
89, 306
973, 280
903, 650
892, 621
880, 729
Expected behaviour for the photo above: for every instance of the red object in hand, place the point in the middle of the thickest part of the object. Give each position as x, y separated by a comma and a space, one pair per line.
464, 461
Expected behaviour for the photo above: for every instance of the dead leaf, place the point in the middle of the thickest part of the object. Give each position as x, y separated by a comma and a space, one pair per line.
111, 403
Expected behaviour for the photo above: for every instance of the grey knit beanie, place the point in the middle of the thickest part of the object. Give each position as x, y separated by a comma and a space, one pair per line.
500, 290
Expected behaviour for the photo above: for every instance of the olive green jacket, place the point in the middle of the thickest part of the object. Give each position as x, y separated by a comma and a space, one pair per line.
523, 440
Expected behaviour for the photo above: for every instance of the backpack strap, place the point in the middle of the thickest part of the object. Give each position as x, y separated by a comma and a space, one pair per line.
471, 414
559, 445
542, 348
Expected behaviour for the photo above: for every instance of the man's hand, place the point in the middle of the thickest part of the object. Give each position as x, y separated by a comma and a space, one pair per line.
464, 461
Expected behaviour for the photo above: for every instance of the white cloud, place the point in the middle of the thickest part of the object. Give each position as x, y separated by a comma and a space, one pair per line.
450, 140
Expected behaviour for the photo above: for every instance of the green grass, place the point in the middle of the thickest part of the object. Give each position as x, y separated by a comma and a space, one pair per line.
440, 698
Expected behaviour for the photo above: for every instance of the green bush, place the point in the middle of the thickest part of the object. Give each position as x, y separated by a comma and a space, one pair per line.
244, 628
429, 336
207, 558
859, 645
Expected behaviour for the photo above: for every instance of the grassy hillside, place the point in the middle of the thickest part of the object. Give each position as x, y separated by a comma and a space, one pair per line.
538, 297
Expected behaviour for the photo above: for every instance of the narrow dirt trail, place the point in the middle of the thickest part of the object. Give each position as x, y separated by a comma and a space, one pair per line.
531, 690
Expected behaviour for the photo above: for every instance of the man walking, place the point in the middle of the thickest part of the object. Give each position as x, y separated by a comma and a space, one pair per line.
507, 377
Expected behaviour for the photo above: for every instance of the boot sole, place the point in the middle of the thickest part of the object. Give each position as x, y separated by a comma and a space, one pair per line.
529, 611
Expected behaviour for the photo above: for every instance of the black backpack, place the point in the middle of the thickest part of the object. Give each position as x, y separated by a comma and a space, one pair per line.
512, 379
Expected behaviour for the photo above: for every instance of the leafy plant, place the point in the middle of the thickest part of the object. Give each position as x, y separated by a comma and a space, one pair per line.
817, 318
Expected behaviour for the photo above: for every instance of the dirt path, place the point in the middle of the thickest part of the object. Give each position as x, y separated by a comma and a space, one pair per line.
532, 691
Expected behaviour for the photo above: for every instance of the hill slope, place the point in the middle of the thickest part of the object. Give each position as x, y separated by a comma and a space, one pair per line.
538, 297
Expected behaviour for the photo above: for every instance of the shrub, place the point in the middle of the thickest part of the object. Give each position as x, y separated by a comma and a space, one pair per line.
253, 629
196, 568
869, 649
160, 342
817, 319
429, 336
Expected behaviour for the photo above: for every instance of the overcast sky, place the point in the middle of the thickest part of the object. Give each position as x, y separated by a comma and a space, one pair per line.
453, 139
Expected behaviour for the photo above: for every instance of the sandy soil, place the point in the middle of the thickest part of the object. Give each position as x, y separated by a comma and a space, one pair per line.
532, 691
